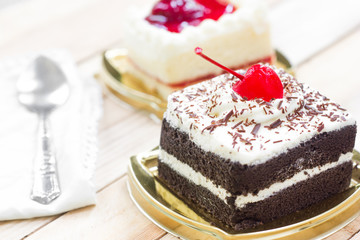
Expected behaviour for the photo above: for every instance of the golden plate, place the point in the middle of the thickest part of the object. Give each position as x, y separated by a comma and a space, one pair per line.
131, 90
169, 212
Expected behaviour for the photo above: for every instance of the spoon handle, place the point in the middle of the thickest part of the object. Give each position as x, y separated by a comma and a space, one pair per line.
45, 180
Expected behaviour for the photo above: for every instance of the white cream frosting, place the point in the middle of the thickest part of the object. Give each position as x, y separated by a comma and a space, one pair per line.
234, 39
201, 111
241, 200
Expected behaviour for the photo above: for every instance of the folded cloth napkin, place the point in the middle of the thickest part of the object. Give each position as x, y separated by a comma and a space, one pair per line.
74, 127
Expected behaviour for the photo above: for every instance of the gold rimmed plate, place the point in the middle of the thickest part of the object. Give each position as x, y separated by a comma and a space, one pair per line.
127, 88
171, 213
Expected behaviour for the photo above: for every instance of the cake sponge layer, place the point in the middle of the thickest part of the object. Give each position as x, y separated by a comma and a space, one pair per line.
289, 200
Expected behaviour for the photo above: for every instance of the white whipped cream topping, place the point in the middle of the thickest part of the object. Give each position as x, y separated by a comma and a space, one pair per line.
250, 110
241, 200
203, 111
234, 39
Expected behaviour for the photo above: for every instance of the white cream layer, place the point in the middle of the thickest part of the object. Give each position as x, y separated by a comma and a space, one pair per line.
235, 39
241, 200
194, 109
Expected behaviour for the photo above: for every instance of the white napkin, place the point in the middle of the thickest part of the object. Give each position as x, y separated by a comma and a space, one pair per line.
74, 128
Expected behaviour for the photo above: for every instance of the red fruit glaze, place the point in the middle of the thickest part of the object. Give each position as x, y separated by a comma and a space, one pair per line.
260, 82
174, 15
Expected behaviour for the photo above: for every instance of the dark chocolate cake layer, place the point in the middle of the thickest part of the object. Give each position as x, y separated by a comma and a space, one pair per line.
289, 200
241, 179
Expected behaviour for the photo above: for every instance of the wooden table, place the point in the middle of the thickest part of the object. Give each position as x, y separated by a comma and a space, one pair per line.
321, 38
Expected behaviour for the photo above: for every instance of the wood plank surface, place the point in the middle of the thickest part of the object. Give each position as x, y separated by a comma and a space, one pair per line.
114, 217
303, 28
83, 27
19, 229
169, 236
347, 232
355, 237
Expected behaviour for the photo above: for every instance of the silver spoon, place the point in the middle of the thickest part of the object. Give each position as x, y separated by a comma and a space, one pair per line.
41, 89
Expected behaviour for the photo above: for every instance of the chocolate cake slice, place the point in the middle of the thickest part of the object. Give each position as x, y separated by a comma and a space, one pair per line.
250, 161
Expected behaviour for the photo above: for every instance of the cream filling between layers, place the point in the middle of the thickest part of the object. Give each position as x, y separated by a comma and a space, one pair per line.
241, 200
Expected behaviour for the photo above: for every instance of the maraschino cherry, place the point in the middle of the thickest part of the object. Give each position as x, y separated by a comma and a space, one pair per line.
259, 81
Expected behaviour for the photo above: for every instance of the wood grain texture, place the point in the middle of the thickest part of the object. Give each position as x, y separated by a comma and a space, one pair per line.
302, 29
356, 236
81, 26
114, 217
169, 236
134, 132
333, 72
19, 229
346, 232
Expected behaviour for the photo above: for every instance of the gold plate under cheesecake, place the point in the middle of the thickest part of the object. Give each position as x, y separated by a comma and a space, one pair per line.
169, 212
131, 90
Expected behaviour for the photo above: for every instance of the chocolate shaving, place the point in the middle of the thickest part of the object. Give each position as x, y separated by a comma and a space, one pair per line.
215, 124
228, 116
321, 127
307, 107
230, 77
275, 124
280, 103
210, 127
242, 130
189, 97
234, 97
192, 115
290, 127
265, 111
256, 129
247, 142
334, 118
236, 125
277, 141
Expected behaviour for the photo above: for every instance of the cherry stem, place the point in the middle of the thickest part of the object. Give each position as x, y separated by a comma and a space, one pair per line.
198, 51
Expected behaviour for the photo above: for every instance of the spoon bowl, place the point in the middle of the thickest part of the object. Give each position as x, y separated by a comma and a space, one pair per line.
43, 86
